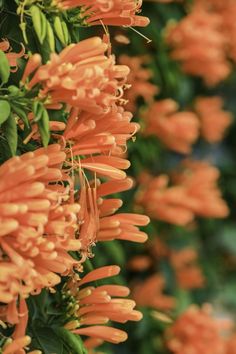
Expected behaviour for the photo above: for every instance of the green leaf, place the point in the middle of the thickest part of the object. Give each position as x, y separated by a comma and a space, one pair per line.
5, 110
10, 131
72, 340
4, 67
47, 340
38, 109
21, 114
43, 125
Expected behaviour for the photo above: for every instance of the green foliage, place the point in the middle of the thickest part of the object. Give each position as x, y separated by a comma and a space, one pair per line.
4, 67
5, 110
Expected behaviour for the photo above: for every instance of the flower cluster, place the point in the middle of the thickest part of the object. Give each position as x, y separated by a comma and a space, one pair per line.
199, 45
138, 78
111, 12
177, 130
210, 112
196, 331
95, 306
194, 193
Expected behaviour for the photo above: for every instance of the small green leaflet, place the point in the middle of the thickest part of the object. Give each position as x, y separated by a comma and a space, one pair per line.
4, 67
9, 128
5, 110
43, 125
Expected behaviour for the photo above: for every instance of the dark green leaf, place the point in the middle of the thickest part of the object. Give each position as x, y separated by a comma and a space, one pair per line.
48, 341
72, 340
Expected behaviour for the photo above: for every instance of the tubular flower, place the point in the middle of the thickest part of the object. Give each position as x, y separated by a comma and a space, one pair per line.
19, 340
138, 78
195, 331
96, 143
231, 345
170, 204
177, 130
226, 10
98, 305
54, 127
150, 293
111, 12
98, 221
200, 45
194, 193
199, 179
188, 274
80, 76
105, 134
17, 346
37, 225
211, 115
11, 56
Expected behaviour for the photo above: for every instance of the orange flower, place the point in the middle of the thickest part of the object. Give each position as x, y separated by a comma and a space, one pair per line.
81, 76
111, 12
17, 346
195, 331
11, 56
170, 204
150, 293
138, 78
231, 345
97, 305
140, 263
95, 141
211, 115
188, 274
200, 45
199, 178
37, 225
194, 193
97, 220
177, 130
105, 134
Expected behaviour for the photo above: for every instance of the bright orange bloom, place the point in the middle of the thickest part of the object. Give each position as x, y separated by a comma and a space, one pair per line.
105, 134
195, 331
110, 12
37, 225
200, 45
138, 78
82, 76
17, 346
150, 293
211, 115
11, 56
99, 221
96, 141
177, 130
98, 305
